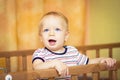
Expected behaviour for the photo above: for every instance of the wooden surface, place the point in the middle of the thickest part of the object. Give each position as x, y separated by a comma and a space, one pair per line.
51, 73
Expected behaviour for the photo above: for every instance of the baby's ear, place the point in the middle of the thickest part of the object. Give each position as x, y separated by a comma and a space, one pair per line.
66, 36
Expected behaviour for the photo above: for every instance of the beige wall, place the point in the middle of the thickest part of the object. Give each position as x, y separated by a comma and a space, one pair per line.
104, 25
104, 21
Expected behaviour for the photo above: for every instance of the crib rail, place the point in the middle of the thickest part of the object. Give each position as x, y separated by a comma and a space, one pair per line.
97, 49
77, 70
8, 54
96, 75
52, 73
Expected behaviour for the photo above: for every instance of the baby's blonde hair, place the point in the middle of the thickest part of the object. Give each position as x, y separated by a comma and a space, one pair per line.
54, 14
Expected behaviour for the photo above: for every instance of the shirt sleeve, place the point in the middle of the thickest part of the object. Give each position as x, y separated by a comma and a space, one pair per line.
38, 54
81, 59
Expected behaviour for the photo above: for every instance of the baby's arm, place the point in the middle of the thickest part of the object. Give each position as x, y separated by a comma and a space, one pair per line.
109, 61
58, 65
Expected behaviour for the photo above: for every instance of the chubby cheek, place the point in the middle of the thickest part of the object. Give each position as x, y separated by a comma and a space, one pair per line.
61, 38
43, 38
45, 42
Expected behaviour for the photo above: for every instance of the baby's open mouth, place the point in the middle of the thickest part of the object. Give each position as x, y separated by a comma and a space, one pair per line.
52, 42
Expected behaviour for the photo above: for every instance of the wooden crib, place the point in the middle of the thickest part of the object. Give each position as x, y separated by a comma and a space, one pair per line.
75, 71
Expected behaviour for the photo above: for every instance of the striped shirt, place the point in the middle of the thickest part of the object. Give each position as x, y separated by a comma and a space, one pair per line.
71, 56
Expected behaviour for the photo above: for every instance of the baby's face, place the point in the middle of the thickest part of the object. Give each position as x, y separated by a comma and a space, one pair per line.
54, 32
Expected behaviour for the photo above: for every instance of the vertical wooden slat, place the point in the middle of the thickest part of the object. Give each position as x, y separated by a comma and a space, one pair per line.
84, 51
49, 79
97, 53
20, 63
24, 62
115, 75
95, 76
8, 64
110, 72
110, 52
74, 77
84, 75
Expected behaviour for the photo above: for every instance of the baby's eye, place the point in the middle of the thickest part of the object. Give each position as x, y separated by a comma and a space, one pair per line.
46, 30
58, 29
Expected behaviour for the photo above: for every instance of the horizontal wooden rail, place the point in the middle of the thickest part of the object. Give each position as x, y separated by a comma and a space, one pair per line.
51, 73
77, 70
23, 53
16, 53
99, 46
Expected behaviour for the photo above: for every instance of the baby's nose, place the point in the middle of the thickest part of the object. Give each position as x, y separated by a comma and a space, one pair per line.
52, 32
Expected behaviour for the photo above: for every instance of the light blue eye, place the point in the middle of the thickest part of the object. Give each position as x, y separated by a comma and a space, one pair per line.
58, 29
46, 30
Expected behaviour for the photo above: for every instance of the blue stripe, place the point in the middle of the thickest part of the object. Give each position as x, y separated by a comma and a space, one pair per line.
87, 60
38, 58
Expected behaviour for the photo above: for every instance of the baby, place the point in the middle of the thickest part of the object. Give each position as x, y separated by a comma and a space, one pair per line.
53, 30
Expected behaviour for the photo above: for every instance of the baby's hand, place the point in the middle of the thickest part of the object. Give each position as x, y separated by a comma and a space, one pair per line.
61, 68
109, 61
